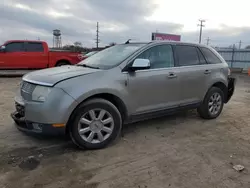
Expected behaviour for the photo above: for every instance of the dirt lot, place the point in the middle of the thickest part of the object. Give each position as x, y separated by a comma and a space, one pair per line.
177, 151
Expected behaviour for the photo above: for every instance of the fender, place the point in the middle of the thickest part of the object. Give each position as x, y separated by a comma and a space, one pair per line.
117, 100
223, 85
91, 93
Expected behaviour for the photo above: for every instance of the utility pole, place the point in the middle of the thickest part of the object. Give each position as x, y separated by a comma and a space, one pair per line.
240, 44
97, 35
201, 26
208, 39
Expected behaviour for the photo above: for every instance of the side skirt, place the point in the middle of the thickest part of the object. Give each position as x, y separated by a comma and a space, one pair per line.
159, 113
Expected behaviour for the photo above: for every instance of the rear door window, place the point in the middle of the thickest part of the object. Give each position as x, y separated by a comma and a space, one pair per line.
210, 56
187, 55
34, 47
15, 47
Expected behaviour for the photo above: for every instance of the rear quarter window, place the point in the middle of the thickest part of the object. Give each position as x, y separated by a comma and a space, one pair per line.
210, 57
34, 47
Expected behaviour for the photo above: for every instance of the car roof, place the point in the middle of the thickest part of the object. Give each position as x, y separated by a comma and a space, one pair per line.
25, 41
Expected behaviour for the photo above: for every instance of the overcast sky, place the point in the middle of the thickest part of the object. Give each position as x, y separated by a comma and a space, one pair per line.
227, 22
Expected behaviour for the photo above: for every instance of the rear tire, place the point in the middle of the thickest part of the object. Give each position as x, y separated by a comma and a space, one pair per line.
212, 104
96, 123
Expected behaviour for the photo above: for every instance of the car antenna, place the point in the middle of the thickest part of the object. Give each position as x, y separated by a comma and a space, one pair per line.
128, 41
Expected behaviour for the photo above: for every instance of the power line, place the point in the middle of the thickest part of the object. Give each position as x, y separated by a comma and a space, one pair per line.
97, 40
201, 26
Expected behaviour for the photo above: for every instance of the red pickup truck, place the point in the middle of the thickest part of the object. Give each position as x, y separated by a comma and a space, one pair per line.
26, 54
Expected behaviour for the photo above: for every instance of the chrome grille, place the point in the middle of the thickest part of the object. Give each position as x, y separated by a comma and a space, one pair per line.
27, 89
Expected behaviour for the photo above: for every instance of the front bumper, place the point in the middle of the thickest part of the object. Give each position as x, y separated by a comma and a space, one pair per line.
49, 117
36, 128
230, 88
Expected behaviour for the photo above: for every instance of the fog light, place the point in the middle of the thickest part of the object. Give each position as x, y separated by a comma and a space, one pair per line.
37, 126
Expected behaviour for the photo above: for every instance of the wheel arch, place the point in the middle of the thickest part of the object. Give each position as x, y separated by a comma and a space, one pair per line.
63, 61
115, 100
222, 86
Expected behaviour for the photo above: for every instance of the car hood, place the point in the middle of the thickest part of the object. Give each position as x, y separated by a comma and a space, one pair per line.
52, 76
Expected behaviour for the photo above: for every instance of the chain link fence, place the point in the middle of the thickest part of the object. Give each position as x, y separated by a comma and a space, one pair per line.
236, 58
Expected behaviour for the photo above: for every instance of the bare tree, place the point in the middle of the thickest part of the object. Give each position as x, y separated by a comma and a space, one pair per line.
78, 44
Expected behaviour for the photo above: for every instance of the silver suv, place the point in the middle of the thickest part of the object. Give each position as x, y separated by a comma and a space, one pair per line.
122, 84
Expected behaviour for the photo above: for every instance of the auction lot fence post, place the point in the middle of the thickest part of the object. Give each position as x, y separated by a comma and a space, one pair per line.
236, 58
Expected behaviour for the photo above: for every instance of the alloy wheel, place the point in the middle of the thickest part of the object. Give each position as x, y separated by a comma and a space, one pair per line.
96, 125
214, 104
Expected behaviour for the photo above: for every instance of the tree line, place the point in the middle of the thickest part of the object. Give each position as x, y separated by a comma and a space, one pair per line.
78, 47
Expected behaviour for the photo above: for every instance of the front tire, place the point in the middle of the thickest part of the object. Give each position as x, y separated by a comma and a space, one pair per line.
212, 104
96, 123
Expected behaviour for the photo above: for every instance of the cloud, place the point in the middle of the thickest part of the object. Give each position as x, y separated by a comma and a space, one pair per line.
118, 20
223, 37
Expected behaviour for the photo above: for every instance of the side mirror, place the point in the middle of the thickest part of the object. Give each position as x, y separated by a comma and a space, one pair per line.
2, 49
140, 64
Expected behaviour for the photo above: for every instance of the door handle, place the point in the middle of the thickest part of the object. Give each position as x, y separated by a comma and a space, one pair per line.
172, 75
207, 72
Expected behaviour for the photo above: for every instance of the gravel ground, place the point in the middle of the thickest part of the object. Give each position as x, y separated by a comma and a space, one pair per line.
176, 151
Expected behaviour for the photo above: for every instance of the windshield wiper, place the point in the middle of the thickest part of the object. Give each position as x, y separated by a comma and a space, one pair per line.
88, 66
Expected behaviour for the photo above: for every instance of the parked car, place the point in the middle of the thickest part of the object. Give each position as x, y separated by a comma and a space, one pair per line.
24, 54
123, 84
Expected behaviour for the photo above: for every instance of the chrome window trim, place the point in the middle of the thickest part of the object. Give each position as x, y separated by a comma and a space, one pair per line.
159, 69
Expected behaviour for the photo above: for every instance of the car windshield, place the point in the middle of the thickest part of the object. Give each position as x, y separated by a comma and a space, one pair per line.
111, 56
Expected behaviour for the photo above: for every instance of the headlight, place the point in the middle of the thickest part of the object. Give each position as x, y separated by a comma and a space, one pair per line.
40, 93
